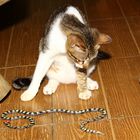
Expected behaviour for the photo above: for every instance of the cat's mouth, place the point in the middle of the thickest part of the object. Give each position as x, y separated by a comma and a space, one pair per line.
79, 62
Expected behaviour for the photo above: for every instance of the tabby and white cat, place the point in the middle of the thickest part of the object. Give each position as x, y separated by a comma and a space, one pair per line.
67, 54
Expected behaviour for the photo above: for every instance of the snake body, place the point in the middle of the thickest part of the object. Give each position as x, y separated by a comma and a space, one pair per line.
26, 115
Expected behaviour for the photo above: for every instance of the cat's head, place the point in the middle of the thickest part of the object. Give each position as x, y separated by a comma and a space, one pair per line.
79, 50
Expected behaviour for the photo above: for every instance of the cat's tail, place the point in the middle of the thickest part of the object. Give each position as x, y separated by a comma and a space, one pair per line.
103, 55
21, 83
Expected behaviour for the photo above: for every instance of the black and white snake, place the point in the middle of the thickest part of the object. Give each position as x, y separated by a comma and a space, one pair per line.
21, 83
26, 115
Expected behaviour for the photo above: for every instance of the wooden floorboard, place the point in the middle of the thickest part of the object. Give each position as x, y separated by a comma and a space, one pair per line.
4, 45
118, 77
35, 133
102, 9
130, 7
14, 102
23, 43
134, 23
121, 89
74, 133
122, 43
127, 128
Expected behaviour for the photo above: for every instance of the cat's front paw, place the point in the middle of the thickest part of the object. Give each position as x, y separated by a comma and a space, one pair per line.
28, 95
85, 94
92, 85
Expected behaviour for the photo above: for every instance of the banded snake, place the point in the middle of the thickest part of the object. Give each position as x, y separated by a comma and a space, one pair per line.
26, 115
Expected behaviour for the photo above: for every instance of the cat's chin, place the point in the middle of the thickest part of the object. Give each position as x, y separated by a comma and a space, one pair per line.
28, 95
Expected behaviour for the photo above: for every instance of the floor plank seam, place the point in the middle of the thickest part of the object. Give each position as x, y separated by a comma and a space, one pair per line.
19, 66
33, 65
9, 46
130, 30
124, 117
106, 19
111, 18
106, 103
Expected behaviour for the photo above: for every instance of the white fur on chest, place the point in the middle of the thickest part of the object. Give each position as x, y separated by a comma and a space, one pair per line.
62, 70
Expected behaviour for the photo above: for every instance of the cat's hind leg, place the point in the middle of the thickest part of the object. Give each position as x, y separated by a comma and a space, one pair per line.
51, 87
91, 84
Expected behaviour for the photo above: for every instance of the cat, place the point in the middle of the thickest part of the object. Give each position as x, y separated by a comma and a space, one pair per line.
67, 54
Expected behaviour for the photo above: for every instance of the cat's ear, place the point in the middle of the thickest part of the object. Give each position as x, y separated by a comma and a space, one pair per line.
100, 38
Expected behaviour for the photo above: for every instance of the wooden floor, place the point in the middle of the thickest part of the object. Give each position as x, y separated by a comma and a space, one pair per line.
21, 27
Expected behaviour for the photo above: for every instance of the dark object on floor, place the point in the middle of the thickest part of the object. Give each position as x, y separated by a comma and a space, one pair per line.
103, 55
4, 88
21, 83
